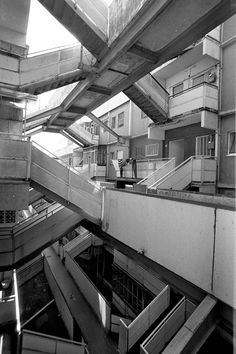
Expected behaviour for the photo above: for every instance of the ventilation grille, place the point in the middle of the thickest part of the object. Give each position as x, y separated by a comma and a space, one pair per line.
7, 216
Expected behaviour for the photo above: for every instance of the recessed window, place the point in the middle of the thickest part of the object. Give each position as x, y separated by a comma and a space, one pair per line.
113, 122
231, 143
121, 119
152, 149
178, 88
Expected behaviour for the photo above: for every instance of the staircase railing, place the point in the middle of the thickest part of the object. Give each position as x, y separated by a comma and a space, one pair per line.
187, 172
35, 219
171, 173
158, 173
69, 168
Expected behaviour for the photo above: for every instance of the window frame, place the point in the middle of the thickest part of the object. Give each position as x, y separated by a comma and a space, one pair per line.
113, 122
229, 133
149, 147
175, 86
121, 115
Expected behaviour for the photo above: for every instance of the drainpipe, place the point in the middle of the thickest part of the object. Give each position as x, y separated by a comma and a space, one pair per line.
218, 131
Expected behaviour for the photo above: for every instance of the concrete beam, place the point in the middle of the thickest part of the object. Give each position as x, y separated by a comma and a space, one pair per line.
104, 126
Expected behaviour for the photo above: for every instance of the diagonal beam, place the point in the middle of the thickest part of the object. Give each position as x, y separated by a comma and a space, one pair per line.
105, 127
34, 117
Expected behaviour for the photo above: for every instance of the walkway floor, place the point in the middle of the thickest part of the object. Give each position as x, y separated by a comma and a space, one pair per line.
92, 331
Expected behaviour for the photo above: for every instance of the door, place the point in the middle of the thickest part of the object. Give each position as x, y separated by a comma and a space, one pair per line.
176, 149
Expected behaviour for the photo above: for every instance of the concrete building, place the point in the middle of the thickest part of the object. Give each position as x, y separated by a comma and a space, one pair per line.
150, 267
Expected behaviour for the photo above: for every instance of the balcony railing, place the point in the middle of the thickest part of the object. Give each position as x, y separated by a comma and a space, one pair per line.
202, 96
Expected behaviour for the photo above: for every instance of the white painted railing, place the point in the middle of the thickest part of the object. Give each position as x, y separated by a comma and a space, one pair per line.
78, 245
162, 169
162, 334
35, 342
194, 169
130, 334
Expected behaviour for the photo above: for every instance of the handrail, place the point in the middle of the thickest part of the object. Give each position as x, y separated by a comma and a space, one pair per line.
36, 221
193, 87
157, 170
172, 172
69, 168
57, 339
164, 178
34, 215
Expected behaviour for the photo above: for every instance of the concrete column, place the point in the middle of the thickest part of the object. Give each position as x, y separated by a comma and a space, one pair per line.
14, 162
11, 118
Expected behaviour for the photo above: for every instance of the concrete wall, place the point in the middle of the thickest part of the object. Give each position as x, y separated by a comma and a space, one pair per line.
228, 66
228, 103
105, 137
14, 21
139, 125
177, 235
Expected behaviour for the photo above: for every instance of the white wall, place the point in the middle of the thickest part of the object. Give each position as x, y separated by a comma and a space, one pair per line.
177, 235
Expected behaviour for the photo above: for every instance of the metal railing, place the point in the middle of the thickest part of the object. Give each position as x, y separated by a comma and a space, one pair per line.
35, 219
69, 168
155, 175
172, 172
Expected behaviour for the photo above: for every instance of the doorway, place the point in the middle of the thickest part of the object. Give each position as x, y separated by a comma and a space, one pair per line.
176, 149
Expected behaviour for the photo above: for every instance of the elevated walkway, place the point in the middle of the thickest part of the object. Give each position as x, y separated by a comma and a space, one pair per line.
64, 184
28, 238
49, 176
44, 71
150, 97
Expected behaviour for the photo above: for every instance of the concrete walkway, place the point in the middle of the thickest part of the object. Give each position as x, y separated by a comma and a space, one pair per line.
92, 331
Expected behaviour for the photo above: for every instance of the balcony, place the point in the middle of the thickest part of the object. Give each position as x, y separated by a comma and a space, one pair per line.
200, 97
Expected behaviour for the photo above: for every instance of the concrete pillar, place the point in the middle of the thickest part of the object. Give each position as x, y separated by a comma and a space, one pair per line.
14, 163
11, 118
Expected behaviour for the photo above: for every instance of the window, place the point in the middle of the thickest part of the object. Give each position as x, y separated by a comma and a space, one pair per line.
121, 119
152, 149
113, 122
106, 122
133, 293
205, 145
198, 80
178, 88
231, 150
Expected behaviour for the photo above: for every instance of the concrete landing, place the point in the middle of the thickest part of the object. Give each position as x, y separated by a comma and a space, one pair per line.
92, 331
